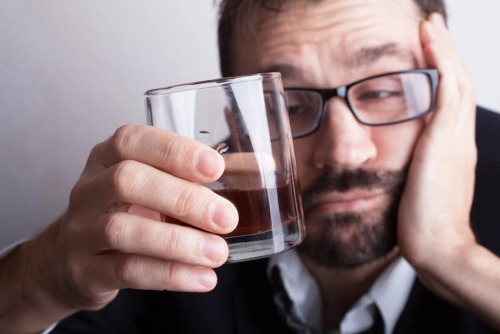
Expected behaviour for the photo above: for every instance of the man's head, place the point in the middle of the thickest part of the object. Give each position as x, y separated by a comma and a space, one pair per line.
238, 17
351, 174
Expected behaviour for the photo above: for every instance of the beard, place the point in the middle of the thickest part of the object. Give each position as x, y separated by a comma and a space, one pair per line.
344, 240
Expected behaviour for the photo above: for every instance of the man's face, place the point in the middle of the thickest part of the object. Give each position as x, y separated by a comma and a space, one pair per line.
351, 175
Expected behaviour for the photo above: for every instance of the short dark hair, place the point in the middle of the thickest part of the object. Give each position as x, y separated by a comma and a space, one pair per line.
237, 15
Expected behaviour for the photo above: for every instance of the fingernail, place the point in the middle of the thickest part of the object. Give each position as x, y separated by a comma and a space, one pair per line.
207, 278
223, 214
207, 163
214, 248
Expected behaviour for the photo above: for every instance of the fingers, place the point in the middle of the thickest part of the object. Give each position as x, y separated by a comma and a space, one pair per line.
166, 151
140, 272
148, 254
456, 99
140, 184
435, 206
449, 138
133, 234
111, 236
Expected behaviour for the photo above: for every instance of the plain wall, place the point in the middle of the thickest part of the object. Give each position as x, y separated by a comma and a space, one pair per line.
71, 72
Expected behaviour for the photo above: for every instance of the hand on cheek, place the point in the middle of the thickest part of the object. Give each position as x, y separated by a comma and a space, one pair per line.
434, 230
434, 211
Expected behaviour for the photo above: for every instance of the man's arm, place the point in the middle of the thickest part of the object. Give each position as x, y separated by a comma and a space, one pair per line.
111, 236
434, 228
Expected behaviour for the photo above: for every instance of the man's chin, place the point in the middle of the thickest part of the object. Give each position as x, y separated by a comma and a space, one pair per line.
353, 238
348, 240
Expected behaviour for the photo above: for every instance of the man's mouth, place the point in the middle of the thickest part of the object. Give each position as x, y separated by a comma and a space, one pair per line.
351, 191
346, 202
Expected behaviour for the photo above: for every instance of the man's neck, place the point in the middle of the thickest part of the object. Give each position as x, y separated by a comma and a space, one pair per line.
341, 288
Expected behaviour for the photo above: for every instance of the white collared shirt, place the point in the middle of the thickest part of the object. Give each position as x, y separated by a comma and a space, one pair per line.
389, 292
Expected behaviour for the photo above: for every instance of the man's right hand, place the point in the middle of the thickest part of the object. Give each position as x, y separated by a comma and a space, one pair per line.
111, 236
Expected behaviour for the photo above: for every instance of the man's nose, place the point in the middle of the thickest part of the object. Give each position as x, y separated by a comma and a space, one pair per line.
344, 142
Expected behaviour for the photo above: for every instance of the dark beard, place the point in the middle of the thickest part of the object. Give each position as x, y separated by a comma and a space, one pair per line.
351, 239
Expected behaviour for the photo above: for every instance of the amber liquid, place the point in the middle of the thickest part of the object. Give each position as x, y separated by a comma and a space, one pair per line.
270, 218
264, 209
260, 210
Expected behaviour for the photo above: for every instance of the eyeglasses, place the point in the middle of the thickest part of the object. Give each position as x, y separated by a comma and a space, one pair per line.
384, 99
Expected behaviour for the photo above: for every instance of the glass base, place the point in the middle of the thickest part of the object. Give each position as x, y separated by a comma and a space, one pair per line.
264, 244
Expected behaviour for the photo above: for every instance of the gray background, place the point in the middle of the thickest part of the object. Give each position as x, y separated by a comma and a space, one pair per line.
73, 71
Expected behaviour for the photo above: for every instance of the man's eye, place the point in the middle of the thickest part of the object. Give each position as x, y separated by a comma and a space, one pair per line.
297, 110
375, 95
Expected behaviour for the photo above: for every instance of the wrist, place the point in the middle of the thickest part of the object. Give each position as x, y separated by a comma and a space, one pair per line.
27, 304
442, 247
447, 272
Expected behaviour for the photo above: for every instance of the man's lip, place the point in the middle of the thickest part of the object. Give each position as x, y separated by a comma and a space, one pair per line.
344, 202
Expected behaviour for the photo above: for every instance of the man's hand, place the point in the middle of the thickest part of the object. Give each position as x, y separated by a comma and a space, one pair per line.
112, 236
434, 230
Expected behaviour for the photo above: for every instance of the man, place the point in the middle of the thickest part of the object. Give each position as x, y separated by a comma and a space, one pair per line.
388, 197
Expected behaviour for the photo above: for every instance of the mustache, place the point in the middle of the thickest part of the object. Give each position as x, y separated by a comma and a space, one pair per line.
333, 179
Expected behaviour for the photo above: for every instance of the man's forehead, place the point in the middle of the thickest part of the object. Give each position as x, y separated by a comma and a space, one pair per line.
364, 56
319, 21
348, 31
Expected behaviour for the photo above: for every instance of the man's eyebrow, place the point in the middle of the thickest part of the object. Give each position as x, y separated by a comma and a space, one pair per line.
369, 55
363, 57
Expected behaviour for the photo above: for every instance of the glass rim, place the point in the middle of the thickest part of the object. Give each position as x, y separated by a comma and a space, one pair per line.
210, 83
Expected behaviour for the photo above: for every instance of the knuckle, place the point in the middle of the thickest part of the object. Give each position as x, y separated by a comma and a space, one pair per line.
173, 274
94, 152
72, 273
187, 200
78, 290
125, 178
124, 138
174, 150
77, 195
114, 231
125, 270
78, 287
174, 242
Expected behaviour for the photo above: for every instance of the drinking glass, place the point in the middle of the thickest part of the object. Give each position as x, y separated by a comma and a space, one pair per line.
245, 119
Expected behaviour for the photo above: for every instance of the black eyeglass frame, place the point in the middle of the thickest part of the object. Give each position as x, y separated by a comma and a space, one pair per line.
342, 92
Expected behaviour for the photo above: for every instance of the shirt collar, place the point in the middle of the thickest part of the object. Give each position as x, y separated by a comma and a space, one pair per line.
389, 292
300, 286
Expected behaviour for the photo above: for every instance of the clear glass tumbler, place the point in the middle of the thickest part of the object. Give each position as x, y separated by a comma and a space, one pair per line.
245, 119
